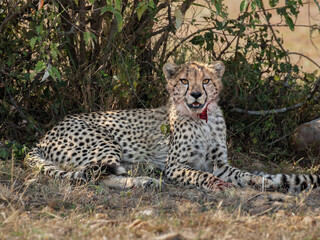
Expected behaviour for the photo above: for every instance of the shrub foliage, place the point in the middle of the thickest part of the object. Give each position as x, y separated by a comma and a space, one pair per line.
68, 56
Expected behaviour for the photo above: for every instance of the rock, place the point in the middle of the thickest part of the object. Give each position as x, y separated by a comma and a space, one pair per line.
306, 137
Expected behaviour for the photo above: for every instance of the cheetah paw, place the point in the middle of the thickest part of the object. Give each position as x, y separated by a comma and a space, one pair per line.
217, 184
260, 183
131, 182
149, 183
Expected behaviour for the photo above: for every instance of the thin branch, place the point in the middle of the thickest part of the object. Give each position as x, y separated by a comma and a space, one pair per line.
188, 37
284, 25
14, 103
302, 55
276, 8
164, 49
238, 36
82, 26
228, 45
183, 8
273, 33
69, 32
310, 32
17, 11
165, 35
265, 112
281, 110
164, 29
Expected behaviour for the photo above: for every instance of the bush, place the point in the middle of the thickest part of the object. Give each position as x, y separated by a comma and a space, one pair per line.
77, 56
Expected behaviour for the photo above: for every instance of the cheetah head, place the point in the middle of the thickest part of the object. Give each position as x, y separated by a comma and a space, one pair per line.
193, 86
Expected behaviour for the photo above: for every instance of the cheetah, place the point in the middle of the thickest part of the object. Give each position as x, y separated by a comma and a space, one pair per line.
193, 153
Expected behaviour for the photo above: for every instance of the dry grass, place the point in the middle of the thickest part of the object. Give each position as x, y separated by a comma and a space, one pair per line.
41, 208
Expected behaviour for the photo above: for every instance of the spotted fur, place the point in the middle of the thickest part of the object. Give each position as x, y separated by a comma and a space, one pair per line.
194, 153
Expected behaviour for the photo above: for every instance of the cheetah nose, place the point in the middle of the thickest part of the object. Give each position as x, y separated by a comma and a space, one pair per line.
196, 95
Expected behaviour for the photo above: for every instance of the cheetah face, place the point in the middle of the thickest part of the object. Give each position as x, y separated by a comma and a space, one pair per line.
192, 86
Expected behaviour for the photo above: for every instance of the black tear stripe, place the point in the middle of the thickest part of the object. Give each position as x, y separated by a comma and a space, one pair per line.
205, 93
187, 90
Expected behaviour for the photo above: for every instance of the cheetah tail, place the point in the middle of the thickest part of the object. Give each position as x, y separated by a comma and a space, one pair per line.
293, 183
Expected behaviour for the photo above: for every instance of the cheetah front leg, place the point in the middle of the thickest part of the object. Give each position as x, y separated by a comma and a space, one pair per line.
236, 176
243, 179
184, 175
125, 182
179, 168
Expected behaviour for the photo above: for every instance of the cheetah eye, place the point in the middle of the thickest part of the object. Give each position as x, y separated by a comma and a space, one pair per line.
206, 81
184, 81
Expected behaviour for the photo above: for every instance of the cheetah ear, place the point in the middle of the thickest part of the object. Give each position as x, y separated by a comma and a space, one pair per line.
218, 67
169, 69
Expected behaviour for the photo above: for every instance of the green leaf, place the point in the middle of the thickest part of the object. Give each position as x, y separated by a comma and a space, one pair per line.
289, 22
118, 17
117, 4
54, 72
179, 17
119, 20
33, 42
197, 40
32, 75
93, 36
151, 4
218, 6
273, 3
142, 7
135, 84
86, 37
40, 66
243, 5
105, 9
258, 2
39, 29
91, 1
165, 129
253, 6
